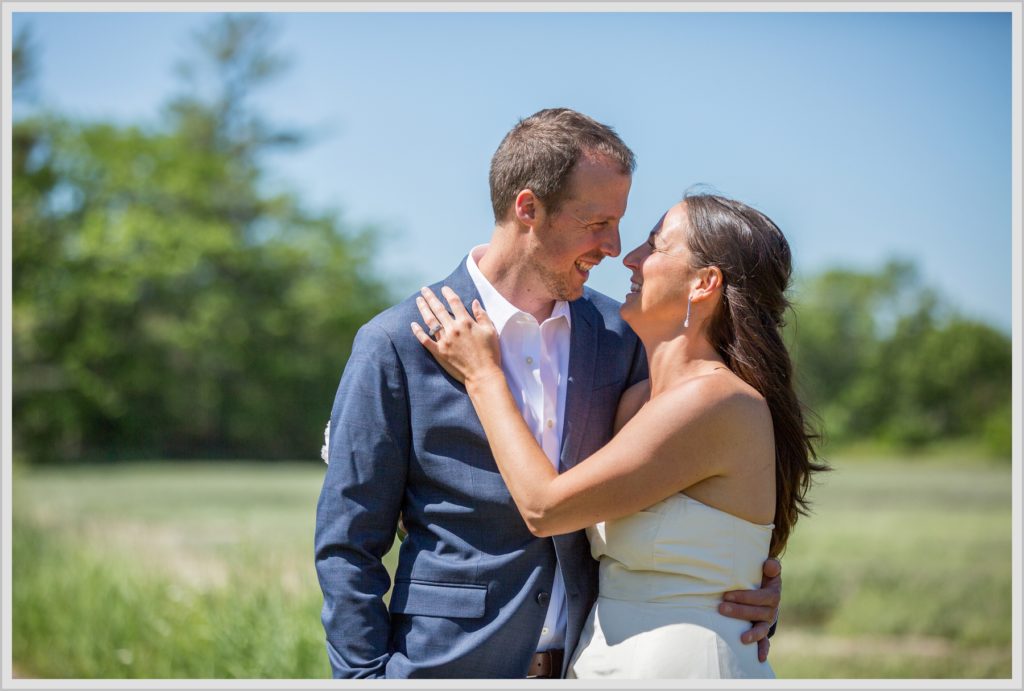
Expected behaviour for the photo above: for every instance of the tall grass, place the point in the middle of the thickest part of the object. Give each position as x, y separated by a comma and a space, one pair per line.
903, 570
171, 570
79, 614
166, 571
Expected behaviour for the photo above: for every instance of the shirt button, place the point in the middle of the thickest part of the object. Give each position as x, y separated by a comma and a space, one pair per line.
544, 631
551, 423
542, 598
529, 360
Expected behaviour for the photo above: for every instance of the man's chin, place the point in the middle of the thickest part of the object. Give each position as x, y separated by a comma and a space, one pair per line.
571, 294
565, 290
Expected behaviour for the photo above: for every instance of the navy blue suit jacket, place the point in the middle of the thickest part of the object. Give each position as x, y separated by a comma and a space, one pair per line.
472, 584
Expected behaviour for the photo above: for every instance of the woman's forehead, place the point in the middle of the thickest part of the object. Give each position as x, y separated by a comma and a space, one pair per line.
673, 225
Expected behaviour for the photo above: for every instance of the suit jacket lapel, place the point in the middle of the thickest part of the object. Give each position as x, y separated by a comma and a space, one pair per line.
462, 283
582, 364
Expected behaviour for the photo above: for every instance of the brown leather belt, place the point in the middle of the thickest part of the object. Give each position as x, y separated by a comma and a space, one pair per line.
546, 665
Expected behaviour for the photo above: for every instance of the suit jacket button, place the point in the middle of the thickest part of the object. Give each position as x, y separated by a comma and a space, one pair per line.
543, 598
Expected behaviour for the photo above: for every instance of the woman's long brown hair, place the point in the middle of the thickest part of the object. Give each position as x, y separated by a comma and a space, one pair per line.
746, 330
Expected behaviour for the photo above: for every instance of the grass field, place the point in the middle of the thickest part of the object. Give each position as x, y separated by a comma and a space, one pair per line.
205, 571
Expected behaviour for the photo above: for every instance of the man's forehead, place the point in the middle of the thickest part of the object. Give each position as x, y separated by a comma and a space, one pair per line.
599, 169
598, 207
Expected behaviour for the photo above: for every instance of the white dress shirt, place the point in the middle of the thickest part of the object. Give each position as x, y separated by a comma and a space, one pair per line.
535, 359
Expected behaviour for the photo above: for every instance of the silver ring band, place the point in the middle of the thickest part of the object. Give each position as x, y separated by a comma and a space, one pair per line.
434, 329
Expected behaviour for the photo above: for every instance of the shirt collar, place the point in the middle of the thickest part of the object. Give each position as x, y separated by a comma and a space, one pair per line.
500, 310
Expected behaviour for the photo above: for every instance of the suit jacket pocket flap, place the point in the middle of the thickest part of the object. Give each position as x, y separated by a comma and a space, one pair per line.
425, 598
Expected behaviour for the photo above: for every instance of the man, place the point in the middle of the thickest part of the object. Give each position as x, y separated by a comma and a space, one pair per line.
475, 594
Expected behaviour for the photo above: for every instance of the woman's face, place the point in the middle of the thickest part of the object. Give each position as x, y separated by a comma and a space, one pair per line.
661, 271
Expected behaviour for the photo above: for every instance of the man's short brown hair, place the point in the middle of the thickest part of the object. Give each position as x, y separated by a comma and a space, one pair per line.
540, 152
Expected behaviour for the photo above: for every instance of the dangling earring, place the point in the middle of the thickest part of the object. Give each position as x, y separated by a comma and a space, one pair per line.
686, 322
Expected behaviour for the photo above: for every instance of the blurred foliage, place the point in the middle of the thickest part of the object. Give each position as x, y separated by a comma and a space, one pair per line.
165, 301
168, 302
879, 356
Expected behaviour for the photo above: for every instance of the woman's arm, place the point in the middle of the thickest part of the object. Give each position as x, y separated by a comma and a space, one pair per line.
631, 401
606, 485
642, 465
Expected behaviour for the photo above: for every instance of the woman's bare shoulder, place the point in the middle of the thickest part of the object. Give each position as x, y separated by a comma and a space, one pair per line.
720, 399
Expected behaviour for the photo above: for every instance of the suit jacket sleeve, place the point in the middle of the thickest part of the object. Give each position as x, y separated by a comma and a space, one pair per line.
360, 503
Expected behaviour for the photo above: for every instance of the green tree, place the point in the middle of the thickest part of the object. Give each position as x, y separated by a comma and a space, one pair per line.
879, 356
167, 302
835, 335
945, 380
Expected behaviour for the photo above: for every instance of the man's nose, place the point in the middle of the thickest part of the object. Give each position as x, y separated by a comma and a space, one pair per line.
611, 244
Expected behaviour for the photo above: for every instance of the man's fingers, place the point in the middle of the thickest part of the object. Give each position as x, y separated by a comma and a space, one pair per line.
763, 646
747, 612
772, 568
757, 632
764, 597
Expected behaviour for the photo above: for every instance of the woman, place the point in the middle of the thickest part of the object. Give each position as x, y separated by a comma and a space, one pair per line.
706, 474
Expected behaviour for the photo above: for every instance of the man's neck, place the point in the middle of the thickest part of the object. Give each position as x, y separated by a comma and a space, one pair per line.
501, 266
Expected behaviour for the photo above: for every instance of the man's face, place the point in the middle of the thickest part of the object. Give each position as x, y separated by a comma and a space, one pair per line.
569, 243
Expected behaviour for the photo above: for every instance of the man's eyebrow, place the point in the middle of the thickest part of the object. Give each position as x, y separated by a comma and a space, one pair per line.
591, 220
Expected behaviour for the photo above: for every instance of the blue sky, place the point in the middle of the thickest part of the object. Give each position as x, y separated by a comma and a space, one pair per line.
865, 136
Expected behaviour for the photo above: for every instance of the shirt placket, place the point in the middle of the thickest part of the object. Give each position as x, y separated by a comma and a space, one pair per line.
533, 385
549, 378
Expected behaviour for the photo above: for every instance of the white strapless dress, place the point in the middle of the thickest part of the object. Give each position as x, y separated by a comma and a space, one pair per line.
662, 575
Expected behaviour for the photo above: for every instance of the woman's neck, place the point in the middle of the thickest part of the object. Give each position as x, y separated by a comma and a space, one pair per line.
672, 360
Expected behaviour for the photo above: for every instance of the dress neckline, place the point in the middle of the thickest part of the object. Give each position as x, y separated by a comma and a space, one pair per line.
763, 526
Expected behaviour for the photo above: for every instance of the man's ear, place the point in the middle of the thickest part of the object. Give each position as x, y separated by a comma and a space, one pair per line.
526, 207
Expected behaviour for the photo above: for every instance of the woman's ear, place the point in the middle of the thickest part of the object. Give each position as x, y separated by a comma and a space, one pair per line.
709, 281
